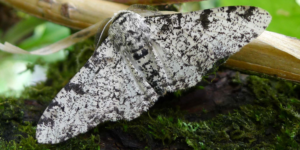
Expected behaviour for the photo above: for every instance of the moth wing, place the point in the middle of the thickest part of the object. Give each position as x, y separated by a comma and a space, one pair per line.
190, 43
107, 88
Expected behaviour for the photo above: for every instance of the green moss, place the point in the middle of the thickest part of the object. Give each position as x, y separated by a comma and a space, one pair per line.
271, 122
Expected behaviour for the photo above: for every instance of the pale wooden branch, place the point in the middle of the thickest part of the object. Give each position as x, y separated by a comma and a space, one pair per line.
62, 44
73, 13
271, 53
152, 2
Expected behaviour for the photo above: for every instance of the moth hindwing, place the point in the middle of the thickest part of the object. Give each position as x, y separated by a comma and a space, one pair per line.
141, 59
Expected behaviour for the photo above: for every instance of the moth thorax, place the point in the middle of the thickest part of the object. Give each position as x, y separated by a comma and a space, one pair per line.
129, 30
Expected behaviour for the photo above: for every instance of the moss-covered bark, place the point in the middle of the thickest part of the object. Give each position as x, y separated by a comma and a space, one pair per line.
270, 121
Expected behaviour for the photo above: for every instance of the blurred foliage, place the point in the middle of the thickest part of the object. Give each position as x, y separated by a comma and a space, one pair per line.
45, 34
30, 33
21, 29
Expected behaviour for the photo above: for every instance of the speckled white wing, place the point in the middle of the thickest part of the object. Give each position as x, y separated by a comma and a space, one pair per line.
107, 88
190, 43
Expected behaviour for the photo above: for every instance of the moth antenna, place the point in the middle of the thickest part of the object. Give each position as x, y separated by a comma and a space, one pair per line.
99, 39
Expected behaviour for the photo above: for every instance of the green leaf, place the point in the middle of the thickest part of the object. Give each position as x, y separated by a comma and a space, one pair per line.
21, 29
44, 34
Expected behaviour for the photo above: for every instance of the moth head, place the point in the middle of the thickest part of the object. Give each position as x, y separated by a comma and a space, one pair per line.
128, 30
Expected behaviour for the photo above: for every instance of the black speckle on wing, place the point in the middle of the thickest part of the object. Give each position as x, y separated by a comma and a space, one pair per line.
46, 121
229, 11
52, 104
138, 56
204, 18
165, 27
75, 87
248, 13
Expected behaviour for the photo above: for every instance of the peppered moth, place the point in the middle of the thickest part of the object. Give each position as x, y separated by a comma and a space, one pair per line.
143, 58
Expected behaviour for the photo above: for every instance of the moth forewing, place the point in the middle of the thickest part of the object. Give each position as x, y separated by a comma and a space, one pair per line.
142, 58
